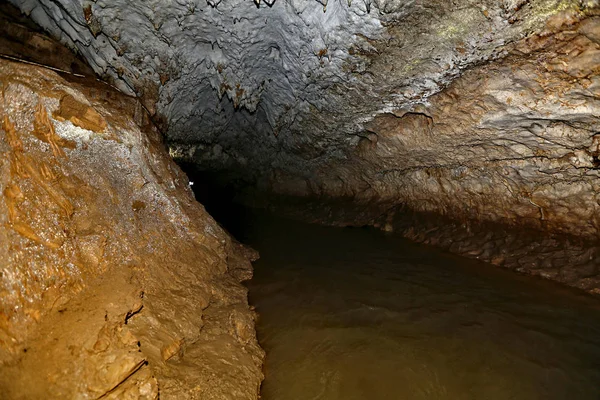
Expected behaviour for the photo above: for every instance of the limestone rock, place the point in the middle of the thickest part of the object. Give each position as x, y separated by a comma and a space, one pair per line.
93, 286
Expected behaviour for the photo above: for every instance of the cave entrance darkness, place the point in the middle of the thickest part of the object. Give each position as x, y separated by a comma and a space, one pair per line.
218, 198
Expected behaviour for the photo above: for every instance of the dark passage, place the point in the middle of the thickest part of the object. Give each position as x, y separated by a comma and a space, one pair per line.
358, 314
218, 198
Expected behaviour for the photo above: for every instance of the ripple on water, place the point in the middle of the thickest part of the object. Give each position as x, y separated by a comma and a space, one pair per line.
355, 314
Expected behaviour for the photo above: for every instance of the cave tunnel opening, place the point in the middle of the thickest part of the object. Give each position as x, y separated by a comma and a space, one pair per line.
218, 194
458, 136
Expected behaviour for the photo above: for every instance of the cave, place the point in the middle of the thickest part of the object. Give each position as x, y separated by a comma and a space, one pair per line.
299, 199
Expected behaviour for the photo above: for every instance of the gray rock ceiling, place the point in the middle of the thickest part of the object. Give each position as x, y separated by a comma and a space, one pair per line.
289, 84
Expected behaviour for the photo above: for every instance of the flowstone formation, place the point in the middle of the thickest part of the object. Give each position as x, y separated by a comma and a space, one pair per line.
114, 282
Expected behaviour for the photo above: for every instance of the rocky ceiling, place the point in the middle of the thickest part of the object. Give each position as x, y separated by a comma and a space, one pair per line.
460, 107
303, 76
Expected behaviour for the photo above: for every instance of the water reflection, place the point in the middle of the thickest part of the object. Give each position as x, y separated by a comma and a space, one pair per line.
355, 314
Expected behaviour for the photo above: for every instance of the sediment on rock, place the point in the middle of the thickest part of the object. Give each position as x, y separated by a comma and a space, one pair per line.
562, 258
115, 282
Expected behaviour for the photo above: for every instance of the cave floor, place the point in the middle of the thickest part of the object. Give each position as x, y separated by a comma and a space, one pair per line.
353, 313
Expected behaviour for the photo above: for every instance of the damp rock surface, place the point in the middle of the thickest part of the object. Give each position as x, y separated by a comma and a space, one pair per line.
514, 141
473, 110
115, 282
481, 110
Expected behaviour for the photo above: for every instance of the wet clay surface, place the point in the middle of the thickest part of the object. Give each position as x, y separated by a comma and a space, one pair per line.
114, 282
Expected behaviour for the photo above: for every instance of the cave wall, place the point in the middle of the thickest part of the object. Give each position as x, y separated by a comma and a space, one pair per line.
482, 110
115, 283
514, 141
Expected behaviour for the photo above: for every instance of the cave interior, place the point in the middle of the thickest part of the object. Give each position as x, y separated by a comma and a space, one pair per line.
471, 126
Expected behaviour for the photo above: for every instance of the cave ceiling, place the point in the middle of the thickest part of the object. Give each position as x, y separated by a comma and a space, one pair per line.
283, 84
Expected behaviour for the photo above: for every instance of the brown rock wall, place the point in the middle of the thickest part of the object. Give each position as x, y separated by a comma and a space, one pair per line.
114, 282
513, 141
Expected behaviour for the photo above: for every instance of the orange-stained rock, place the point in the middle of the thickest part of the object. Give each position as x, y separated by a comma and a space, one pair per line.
106, 256
80, 114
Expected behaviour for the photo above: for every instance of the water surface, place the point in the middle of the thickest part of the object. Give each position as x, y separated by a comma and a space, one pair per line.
358, 314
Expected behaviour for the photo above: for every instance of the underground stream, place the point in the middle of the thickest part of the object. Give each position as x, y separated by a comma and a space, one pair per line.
355, 313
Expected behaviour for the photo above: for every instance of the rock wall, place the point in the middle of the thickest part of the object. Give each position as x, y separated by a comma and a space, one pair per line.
285, 86
507, 155
514, 141
115, 283
480, 110
475, 111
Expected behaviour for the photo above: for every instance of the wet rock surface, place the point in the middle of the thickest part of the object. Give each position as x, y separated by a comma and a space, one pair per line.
115, 282
569, 259
23, 39
475, 111
512, 141
288, 86
565, 259
507, 154
479, 110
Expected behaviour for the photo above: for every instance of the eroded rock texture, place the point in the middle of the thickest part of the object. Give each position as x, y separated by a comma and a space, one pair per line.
304, 78
344, 101
513, 141
115, 283
484, 111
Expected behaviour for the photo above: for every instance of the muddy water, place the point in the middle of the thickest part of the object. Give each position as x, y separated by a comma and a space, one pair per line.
357, 314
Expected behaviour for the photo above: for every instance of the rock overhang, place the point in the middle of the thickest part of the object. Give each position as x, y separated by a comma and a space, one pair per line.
460, 108
288, 83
